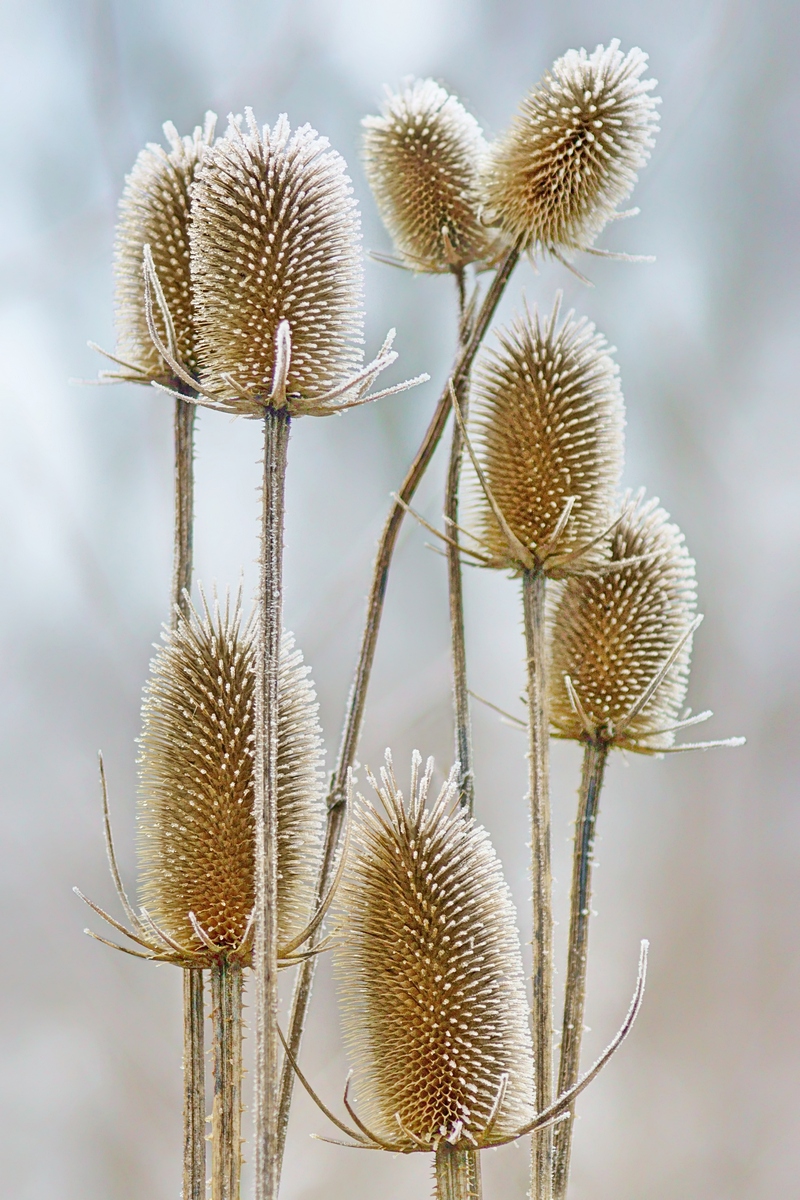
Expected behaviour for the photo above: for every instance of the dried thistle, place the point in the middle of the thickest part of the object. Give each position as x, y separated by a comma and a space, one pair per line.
431, 975
573, 150
154, 211
423, 158
547, 423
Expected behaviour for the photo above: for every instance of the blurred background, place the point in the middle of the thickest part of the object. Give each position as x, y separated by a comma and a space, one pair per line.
700, 853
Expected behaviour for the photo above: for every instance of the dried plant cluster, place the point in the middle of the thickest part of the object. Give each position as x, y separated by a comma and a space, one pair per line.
239, 279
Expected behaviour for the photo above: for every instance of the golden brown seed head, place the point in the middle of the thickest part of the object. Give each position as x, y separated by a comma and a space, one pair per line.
547, 423
573, 149
154, 211
275, 236
423, 158
613, 633
195, 813
430, 972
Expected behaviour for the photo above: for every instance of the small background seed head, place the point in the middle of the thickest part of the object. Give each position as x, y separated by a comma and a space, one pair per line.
573, 149
423, 158
611, 634
547, 423
195, 814
430, 971
154, 211
275, 236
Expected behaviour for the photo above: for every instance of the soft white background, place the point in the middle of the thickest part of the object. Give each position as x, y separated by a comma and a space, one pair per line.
699, 853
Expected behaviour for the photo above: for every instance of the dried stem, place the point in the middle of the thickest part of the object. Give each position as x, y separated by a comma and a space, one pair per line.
337, 791
533, 597
454, 1173
265, 954
226, 1115
594, 762
184, 505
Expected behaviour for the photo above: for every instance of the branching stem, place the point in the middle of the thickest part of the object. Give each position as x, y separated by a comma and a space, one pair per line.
226, 1115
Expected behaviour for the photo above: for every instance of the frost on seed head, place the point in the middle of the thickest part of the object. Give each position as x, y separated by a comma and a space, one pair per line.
572, 152
430, 973
423, 158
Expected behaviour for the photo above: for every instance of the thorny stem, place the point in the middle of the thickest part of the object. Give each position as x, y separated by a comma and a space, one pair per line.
226, 1115
454, 1174
265, 952
594, 763
533, 595
184, 506
358, 692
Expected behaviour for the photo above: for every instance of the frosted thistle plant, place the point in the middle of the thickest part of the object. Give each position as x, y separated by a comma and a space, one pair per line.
571, 154
423, 158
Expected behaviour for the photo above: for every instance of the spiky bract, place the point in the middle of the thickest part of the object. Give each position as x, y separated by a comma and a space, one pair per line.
423, 158
275, 236
573, 149
154, 211
613, 633
195, 815
548, 422
430, 973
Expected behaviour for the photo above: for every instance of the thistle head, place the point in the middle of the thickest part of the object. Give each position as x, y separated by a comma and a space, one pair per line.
195, 814
573, 150
431, 975
276, 268
423, 158
154, 211
547, 423
615, 633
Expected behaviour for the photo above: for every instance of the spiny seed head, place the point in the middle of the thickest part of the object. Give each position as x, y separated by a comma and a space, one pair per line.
275, 236
573, 149
154, 211
548, 422
613, 633
195, 814
423, 157
430, 972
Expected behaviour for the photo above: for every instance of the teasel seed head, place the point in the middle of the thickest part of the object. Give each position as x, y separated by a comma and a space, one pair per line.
154, 210
423, 158
573, 150
195, 814
547, 423
612, 634
430, 973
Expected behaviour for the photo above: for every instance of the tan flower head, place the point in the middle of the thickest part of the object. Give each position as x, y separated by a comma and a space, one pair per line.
614, 635
154, 211
573, 149
547, 422
430, 974
423, 157
195, 817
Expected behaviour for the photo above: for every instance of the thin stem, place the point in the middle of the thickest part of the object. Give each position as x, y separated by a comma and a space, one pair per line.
265, 952
337, 791
226, 1115
594, 763
533, 597
454, 1173
184, 505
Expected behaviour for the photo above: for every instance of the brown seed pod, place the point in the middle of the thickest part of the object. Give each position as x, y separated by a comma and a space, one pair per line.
154, 211
430, 974
423, 158
195, 814
547, 423
275, 237
573, 150
613, 634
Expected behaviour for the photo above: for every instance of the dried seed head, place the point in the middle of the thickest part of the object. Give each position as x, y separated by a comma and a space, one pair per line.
154, 211
275, 237
547, 423
613, 633
573, 149
195, 813
430, 973
423, 158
